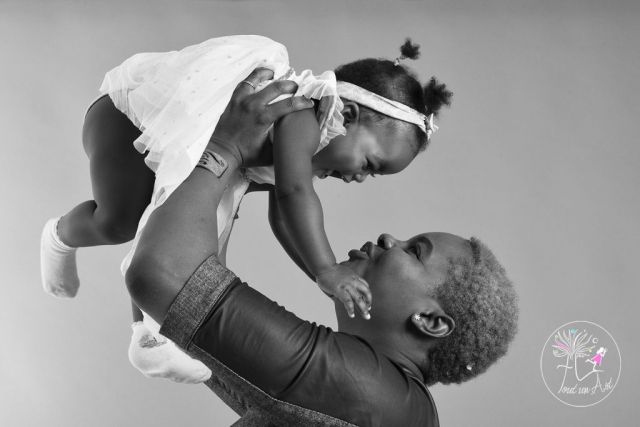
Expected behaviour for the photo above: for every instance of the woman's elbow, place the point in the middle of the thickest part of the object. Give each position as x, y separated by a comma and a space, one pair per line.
144, 277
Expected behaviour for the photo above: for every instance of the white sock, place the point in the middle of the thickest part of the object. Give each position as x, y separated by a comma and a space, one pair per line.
159, 357
57, 263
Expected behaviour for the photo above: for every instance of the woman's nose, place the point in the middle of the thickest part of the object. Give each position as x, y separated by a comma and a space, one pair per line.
387, 241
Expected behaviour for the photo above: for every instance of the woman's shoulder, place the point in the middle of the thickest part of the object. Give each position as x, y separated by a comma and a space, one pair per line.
364, 376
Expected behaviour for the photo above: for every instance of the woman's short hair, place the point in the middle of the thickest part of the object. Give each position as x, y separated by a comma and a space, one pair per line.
483, 303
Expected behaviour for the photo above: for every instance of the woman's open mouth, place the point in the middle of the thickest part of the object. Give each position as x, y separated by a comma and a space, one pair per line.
363, 253
358, 254
367, 248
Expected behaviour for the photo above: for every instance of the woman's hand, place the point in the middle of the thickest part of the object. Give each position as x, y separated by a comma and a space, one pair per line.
243, 126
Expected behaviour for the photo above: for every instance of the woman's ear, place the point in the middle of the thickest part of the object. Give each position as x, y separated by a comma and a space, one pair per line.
434, 322
350, 112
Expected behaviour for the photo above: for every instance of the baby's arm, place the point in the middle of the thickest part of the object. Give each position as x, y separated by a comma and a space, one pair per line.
280, 231
296, 139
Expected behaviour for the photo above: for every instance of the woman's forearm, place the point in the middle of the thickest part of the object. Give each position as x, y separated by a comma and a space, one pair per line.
183, 232
178, 237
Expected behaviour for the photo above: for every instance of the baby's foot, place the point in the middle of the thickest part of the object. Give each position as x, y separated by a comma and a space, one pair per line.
57, 263
161, 358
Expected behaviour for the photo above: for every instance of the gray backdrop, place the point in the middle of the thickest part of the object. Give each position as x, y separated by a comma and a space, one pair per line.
538, 157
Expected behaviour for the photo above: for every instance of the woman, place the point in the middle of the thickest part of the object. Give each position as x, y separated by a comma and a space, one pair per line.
444, 308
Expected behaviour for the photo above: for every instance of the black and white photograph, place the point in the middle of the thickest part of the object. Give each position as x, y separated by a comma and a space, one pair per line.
319, 213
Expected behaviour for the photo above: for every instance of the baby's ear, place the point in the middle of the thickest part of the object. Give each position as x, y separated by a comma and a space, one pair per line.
351, 112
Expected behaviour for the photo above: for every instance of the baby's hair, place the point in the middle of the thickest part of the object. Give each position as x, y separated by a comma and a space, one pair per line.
398, 83
409, 50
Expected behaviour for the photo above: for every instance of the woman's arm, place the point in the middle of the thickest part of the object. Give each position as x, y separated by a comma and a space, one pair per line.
182, 232
179, 236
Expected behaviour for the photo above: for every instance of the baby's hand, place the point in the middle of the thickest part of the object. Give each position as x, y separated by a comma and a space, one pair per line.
341, 282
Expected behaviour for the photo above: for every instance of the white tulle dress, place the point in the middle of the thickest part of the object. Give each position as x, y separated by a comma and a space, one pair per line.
176, 99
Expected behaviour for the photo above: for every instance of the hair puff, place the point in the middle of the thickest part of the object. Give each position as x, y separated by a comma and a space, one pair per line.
409, 50
398, 83
436, 96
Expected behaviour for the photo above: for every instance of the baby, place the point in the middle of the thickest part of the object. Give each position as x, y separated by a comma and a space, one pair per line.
372, 118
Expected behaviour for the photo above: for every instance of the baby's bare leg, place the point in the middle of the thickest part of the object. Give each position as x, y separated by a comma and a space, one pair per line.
137, 313
122, 187
122, 183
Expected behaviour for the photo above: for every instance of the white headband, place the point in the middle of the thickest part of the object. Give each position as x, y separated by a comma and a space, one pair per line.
386, 106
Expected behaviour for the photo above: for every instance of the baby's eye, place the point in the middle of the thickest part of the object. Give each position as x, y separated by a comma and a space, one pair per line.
369, 167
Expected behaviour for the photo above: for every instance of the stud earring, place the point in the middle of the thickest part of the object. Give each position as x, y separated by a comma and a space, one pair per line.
416, 317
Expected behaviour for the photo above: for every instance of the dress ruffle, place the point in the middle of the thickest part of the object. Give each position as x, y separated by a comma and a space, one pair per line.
318, 87
331, 124
176, 99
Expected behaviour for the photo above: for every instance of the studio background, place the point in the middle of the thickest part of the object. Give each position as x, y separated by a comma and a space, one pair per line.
538, 157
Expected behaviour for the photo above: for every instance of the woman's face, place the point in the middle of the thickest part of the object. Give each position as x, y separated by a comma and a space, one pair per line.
402, 273
365, 150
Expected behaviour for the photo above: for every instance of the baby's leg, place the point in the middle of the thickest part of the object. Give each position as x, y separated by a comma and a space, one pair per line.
122, 186
122, 183
158, 357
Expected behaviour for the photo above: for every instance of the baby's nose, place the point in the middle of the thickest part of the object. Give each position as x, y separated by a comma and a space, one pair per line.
359, 178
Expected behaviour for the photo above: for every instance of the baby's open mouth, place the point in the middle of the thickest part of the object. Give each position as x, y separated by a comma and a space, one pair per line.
333, 174
336, 174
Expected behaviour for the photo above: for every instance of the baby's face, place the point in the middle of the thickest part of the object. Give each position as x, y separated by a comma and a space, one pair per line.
365, 150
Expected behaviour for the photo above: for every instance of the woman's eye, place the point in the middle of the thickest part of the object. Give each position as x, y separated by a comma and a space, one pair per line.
415, 250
